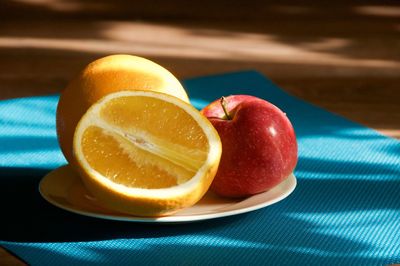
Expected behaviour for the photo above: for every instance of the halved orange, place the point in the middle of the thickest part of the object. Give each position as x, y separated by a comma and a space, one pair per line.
146, 153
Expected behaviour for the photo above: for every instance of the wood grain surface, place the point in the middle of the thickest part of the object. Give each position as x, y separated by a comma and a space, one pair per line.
341, 55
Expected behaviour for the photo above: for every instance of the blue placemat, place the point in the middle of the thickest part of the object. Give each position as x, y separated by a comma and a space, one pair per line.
344, 211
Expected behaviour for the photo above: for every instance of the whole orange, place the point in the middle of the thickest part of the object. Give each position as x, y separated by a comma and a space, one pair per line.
106, 75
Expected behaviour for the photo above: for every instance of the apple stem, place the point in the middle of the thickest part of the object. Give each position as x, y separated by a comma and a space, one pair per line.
223, 104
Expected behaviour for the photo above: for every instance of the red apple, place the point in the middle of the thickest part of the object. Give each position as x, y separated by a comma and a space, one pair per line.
259, 147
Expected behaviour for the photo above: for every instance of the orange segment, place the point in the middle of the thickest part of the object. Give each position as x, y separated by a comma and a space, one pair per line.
117, 158
140, 111
146, 153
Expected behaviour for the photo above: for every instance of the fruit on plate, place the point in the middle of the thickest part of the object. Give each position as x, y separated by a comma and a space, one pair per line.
146, 153
259, 147
103, 76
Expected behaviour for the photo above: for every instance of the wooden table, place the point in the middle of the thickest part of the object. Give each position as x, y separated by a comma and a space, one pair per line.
343, 56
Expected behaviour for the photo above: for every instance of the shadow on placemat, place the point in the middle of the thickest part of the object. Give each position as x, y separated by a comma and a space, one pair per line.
27, 217
31, 219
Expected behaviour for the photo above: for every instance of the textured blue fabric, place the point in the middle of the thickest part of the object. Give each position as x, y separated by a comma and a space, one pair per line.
344, 211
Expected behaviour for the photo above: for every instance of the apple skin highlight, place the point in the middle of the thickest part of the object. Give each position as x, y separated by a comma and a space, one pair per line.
259, 147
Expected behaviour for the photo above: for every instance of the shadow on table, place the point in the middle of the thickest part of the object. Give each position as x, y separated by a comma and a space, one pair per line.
285, 20
340, 33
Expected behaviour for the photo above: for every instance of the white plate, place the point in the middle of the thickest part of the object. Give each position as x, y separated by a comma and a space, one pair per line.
64, 189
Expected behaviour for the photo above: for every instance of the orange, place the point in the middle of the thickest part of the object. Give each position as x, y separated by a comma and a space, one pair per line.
103, 76
146, 153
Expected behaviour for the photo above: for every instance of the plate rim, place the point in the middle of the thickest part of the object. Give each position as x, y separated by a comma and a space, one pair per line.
171, 219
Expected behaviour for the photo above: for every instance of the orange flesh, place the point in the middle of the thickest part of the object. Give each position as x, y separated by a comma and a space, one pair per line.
159, 118
149, 144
